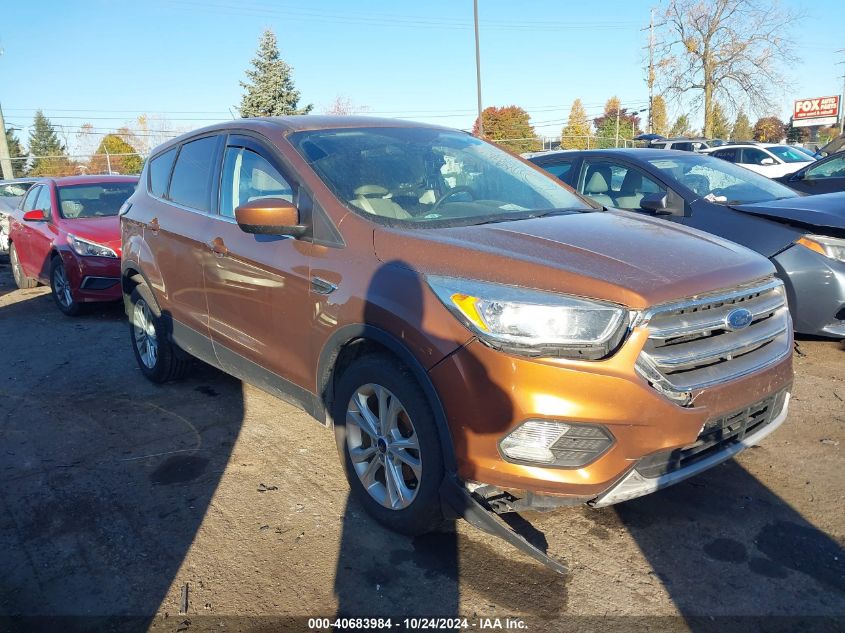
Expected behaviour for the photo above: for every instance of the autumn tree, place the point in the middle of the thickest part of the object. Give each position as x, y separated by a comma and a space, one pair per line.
607, 131
741, 130
681, 127
269, 89
16, 153
721, 127
115, 156
508, 126
659, 117
576, 133
769, 129
49, 155
728, 49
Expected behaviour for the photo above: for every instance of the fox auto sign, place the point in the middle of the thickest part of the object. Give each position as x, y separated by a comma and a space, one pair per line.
818, 111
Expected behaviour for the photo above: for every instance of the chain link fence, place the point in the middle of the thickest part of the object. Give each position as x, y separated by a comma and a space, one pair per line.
78, 164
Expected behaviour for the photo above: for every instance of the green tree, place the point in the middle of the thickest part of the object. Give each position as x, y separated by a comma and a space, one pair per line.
17, 153
510, 127
114, 155
769, 129
269, 89
797, 135
720, 126
742, 128
659, 117
681, 127
576, 134
606, 124
49, 156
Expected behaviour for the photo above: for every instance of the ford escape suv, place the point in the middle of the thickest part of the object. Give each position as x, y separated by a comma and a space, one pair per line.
452, 312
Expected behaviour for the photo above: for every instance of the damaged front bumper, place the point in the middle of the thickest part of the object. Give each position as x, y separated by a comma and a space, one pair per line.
636, 484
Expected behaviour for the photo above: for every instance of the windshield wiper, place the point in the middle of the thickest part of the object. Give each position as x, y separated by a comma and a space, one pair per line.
529, 216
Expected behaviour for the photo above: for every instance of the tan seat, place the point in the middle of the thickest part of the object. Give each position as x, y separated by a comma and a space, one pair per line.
631, 193
598, 184
372, 199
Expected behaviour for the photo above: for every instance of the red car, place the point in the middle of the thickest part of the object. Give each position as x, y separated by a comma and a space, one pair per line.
66, 233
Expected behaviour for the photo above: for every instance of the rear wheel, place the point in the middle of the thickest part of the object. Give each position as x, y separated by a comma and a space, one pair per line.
62, 291
389, 445
21, 280
157, 357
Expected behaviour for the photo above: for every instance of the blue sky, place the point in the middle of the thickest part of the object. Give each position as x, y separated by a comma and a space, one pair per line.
105, 62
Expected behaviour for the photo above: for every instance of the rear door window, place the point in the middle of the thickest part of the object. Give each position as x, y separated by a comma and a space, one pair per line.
193, 174
159, 171
726, 154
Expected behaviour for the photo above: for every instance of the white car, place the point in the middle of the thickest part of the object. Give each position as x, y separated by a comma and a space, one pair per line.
769, 159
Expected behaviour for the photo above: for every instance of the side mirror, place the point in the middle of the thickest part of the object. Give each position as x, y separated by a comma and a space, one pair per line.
768, 161
36, 215
269, 216
656, 203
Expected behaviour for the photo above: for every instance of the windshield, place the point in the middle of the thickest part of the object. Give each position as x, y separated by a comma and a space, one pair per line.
788, 154
428, 177
14, 189
806, 151
94, 201
721, 181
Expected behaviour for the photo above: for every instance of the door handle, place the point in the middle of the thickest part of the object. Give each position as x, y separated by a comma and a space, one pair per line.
218, 247
321, 286
154, 226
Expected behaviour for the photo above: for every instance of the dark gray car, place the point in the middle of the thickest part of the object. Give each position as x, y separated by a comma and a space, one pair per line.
803, 236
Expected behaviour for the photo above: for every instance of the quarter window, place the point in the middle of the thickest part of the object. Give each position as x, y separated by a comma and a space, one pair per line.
726, 154
192, 174
248, 176
160, 167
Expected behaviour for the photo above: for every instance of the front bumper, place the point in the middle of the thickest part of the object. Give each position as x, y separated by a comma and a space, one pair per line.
816, 289
93, 279
635, 484
487, 393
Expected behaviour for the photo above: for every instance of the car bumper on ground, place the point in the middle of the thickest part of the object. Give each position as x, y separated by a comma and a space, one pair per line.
498, 392
816, 291
93, 278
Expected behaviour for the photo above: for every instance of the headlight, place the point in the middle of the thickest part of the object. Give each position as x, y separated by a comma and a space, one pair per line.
533, 322
552, 443
832, 247
89, 249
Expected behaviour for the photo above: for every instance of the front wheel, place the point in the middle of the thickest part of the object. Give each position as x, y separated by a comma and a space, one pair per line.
389, 444
62, 291
157, 357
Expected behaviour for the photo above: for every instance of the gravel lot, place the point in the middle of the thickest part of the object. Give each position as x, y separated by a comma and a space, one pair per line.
115, 494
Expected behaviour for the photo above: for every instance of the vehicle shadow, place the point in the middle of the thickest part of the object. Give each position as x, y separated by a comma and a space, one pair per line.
381, 573
724, 546
102, 488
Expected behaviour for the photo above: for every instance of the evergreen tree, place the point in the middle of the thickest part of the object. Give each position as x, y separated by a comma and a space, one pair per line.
659, 118
720, 126
510, 127
742, 128
17, 153
49, 154
576, 133
116, 154
269, 89
681, 127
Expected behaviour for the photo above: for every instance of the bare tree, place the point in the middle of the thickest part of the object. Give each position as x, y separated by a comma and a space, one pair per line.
344, 106
732, 50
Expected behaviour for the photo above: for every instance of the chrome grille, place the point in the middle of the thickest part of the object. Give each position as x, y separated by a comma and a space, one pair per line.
692, 347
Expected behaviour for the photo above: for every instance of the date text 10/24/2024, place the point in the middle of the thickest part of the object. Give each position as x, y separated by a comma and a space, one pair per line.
415, 624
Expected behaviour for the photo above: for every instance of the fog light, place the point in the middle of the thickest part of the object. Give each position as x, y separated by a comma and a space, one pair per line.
551, 443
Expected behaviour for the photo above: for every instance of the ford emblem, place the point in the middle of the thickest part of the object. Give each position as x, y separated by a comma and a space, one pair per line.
738, 319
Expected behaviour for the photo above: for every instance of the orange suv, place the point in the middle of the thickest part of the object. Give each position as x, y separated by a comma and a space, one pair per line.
457, 316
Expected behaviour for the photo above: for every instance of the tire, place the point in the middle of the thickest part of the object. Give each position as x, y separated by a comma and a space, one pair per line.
156, 355
21, 280
62, 291
406, 450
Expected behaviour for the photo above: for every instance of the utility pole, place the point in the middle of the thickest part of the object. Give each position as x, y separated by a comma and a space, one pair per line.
842, 98
650, 70
478, 68
5, 160
617, 126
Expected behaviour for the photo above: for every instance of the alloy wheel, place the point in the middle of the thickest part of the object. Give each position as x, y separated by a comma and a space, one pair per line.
383, 446
61, 286
146, 341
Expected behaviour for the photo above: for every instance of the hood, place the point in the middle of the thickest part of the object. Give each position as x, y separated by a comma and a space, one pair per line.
615, 256
104, 230
825, 210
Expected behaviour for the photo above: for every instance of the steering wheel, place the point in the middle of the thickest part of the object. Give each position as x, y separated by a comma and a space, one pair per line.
453, 191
